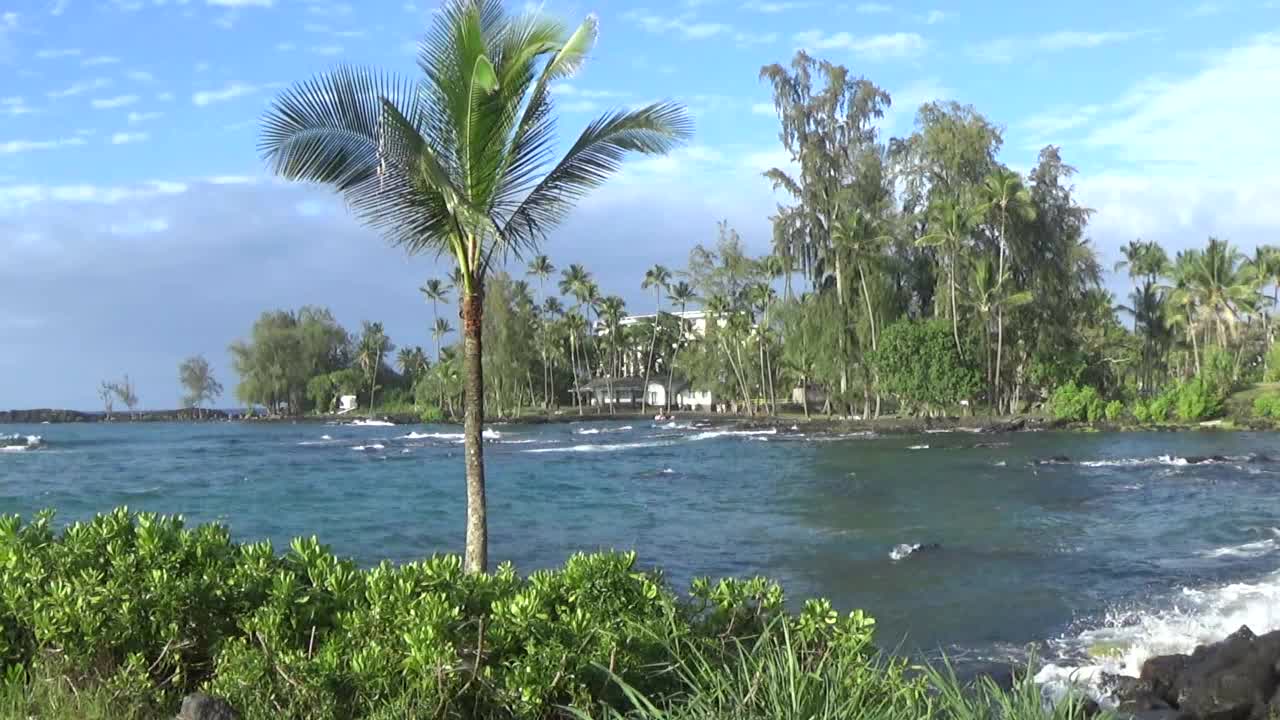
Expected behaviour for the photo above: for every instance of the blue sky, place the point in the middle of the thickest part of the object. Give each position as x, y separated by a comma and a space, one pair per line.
138, 225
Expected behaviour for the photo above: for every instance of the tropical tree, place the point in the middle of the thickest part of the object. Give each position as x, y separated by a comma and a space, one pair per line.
107, 393
372, 347
126, 393
412, 362
541, 268
436, 291
459, 162
658, 278
197, 379
679, 294
1007, 197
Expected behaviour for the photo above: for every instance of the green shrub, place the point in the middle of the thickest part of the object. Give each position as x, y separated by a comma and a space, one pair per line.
1198, 399
431, 414
1267, 405
1272, 373
1114, 410
151, 610
1074, 403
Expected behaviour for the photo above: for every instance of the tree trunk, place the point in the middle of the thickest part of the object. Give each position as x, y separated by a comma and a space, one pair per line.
804, 394
955, 316
477, 549
653, 345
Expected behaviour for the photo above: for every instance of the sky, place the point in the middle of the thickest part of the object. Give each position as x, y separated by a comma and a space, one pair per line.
139, 225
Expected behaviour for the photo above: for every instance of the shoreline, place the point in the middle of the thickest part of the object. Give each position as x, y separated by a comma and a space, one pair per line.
889, 425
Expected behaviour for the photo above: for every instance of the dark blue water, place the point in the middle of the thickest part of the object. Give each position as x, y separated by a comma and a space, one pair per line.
1125, 535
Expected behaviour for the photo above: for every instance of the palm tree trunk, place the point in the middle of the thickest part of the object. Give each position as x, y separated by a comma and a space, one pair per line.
653, 345
804, 394
955, 316
477, 549
373, 384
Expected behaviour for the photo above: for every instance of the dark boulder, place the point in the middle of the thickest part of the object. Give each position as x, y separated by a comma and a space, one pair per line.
198, 706
1230, 680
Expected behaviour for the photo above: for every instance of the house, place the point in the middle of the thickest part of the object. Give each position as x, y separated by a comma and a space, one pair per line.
348, 403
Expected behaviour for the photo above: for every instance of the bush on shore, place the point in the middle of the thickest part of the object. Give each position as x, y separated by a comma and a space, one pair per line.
150, 610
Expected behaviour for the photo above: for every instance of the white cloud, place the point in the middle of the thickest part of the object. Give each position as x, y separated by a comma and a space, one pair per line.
746, 39
139, 226
1206, 9
326, 49
100, 60
764, 109
59, 6
240, 3
14, 106
118, 101
1047, 127
872, 8
685, 25
12, 147
80, 88
230, 92
286, 46
764, 6
569, 90
871, 47
935, 16
583, 106
53, 54
140, 76
126, 138
165, 97
135, 118
1007, 49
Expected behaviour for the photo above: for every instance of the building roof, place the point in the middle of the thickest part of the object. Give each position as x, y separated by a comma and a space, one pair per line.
633, 384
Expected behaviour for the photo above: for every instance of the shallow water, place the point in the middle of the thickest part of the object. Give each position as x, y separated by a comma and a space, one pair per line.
1128, 547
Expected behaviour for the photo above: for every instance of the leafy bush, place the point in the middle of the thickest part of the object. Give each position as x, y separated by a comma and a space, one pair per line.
918, 363
150, 610
431, 414
1272, 373
1074, 403
1114, 410
1199, 398
1267, 405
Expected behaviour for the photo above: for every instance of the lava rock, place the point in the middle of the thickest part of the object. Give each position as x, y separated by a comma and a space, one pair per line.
198, 706
1235, 679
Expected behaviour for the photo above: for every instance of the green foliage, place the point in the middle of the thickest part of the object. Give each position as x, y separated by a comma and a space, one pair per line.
431, 414
918, 362
152, 609
1114, 410
1198, 399
1267, 405
1075, 403
1272, 373
284, 352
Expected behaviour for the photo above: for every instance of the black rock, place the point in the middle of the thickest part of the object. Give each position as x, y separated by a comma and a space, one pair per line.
1167, 714
1230, 680
198, 706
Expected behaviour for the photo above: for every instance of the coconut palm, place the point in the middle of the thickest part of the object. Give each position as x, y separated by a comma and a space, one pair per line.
412, 362
679, 294
1007, 198
953, 220
612, 310
1224, 286
435, 291
460, 163
573, 283
372, 348
658, 278
541, 268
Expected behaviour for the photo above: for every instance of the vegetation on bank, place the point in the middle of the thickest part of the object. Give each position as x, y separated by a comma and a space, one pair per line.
124, 614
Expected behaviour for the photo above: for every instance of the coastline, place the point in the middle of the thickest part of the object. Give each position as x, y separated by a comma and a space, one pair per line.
889, 425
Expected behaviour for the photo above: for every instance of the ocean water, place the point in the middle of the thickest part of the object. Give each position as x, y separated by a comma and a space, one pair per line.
972, 545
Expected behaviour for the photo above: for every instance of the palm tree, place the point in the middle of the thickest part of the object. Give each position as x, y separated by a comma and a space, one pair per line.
658, 278
373, 346
612, 310
1007, 196
459, 161
573, 283
679, 294
990, 299
439, 330
436, 291
955, 220
541, 268
1224, 286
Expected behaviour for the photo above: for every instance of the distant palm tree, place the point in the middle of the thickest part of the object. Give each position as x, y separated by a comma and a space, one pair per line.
412, 362
658, 278
573, 283
372, 348
1224, 286
954, 220
612, 310
437, 292
679, 294
1007, 197
541, 268
439, 330
460, 162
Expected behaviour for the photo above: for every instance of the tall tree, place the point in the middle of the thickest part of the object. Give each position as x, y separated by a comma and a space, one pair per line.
679, 294
107, 393
460, 161
436, 291
126, 393
658, 278
541, 268
372, 347
1006, 197
197, 379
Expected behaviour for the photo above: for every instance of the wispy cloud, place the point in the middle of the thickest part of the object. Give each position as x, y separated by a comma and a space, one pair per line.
1206, 9
100, 60
140, 76
240, 3
871, 47
569, 90
230, 92
328, 50
165, 97
763, 109
1007, 49
59, 7
12, 147
872, 8
118, 101
768, 6
80, 88
127, 138
286, 47
936, 16
13, 106
686, 24
135, 117
55, 53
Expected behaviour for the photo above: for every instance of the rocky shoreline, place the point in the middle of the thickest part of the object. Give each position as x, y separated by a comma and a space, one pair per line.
44, 415
1235, 679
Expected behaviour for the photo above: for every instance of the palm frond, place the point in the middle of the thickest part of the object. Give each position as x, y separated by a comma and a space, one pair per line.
595, 156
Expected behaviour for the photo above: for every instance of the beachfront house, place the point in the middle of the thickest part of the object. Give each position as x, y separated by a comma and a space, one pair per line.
628, 391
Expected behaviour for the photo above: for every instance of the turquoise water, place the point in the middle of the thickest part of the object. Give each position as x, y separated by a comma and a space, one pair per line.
1127, 543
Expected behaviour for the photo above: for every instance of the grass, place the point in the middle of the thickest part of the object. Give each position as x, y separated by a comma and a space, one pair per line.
1239, 405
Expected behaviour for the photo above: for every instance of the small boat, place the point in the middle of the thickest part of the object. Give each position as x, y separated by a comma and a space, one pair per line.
20, 443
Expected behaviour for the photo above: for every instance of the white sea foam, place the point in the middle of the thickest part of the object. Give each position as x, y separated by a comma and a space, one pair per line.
917, 447
903, 551
432, 436
20, 443
374, 446
1171, 460
597, 448
491, 434
597, 431
1195, 617
709, 434
1254, 549
371, 423
325, 437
